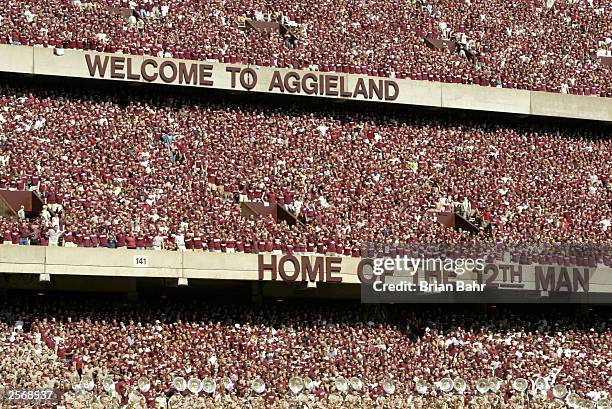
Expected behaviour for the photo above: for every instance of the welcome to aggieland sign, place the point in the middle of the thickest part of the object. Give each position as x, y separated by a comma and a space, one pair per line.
240, 77
355, 87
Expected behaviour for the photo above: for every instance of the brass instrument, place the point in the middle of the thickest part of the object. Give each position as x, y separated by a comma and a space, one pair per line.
388, 386
179, 383
483, 386
572, 399
495, 384
460, 385
356, 383
108, 384
176, 402
258, 386
541, 383
296, 384
520, 384
335, 399
87, 383
445, 385
559, 391
227, 384
422, 386
341, 384
604, 404
75, 382
144, 384
309, 383
194, 385
208, 385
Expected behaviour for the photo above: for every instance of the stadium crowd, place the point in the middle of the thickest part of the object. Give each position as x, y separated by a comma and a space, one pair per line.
412, 350
540, 45
172, 172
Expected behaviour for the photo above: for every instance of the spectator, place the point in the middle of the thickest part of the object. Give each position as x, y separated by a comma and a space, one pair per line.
21, 212
409, 346
409, 167
54, 235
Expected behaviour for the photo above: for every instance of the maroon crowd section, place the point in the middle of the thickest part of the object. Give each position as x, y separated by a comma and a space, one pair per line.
172, 172
527, 44
411, 349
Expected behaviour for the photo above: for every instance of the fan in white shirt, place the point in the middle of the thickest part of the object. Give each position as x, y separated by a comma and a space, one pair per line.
54, 235
158, 242
179, 239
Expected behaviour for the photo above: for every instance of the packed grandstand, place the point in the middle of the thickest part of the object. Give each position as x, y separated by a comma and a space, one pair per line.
557, 46
102, 350
157, 168
172, 172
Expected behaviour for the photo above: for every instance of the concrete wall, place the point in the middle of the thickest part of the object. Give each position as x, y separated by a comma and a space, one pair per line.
17, 59
107, 262
571, 106
27, 259
42, 61
159, 264
101, 262
462, 96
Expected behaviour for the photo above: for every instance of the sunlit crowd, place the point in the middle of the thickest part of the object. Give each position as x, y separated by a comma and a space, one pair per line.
191, 354
554, 46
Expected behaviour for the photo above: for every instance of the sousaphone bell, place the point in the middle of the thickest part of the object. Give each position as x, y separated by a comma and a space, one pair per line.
87, 382
296, 384
495, 384
108, 384
144, 384
208, 385
309, 383
335, 399
341, 384
520, 385
179, 383
75, 382
604, 404
258, 386
422, 386
460, 385
483, 386
227, 383
541, 384
356, 383
559, 391
446, 385
388, 386
194, 385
